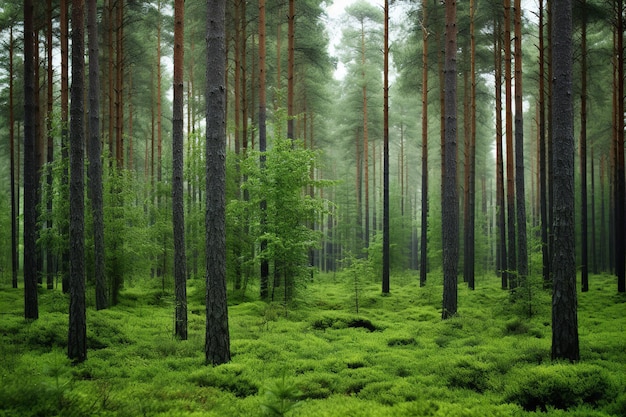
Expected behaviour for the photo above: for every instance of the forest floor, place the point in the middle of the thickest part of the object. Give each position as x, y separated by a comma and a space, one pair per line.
318, 357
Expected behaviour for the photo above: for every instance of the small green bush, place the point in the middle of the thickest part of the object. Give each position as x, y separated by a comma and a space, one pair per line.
560, 386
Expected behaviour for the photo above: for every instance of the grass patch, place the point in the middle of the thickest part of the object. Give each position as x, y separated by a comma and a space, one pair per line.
317, 357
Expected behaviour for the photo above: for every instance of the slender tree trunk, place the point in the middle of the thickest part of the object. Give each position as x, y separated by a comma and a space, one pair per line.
424, 220
471, 230
50, 272
450, 209
77, 335
95, 155
584, 267
386, 239
543, 187
620, 180
119, 86
520, 188
217, 346
564, 302
265, 268
31, 309
64, 26
366, 232
510, 159
14, 198
159, 107
500, 205
178, 215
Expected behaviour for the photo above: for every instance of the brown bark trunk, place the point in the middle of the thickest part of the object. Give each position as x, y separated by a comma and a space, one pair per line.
520, 188
510, 158
449, 210
217, 345
424, 220
501, 251
265, 271
178, 215
50, 272
386, 240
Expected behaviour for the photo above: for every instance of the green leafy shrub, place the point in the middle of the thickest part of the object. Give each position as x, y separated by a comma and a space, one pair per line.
280, 397
560, 386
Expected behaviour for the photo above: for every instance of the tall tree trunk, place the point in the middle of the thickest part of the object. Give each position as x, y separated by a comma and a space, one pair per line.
64, 30
386, 239
265, 268
178, 216
449, 200
31, 309
77, 335
15, 264
119, 85
366, 232
520, 188
424, 220
620, 184
50, 272
584, 267
217, 346
471, 230
543, 190
510, 159
159, 117
110, 73
564, 302
501, 251
95, 155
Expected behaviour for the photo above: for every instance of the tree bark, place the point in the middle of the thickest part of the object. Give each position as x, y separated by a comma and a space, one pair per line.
14, 199
450, 210
424, 220
386, 239
520, 188
64, 27
584, 267
31, 309
95, 157
620, 180
366, 232
50, 272
265, 268
564, 302
500, 205
77, 335
178, 215
217, 345
543, 187
510, 159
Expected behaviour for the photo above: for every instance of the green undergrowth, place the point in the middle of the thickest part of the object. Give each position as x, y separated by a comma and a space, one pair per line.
317, 356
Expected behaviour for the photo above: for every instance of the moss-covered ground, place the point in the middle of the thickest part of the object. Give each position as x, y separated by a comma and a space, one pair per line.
318, 357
